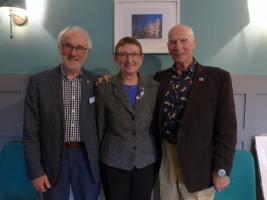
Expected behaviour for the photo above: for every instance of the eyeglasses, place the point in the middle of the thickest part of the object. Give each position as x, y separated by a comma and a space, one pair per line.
125, 55
79, 49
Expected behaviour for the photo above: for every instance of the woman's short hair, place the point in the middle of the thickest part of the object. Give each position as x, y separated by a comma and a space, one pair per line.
128, 40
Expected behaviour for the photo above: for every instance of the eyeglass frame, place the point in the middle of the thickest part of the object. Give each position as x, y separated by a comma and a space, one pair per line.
125, 54
69, 47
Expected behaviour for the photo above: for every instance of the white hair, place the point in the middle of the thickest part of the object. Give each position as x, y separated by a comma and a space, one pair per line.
74, 28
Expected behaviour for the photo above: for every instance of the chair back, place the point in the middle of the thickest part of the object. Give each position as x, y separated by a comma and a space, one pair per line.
14, 183
242, 179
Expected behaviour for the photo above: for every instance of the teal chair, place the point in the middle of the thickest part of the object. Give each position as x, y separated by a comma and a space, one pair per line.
14, 184
242, 179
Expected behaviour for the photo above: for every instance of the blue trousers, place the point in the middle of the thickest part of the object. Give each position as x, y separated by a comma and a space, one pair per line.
77, 174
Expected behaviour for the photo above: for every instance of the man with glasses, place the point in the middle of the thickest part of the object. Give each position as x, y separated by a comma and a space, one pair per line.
60, 136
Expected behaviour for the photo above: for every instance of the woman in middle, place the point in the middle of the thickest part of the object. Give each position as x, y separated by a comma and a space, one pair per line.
126, 106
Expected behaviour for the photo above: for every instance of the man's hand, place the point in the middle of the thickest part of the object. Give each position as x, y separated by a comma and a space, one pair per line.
41, 184
220, 182
104, 78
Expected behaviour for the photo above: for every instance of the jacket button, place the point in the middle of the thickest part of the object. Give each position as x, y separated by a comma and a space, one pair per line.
134, 147
134, 133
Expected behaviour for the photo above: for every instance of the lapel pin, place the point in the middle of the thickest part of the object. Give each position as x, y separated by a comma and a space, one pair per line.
91, 100
141, 94
200, 79
87, 81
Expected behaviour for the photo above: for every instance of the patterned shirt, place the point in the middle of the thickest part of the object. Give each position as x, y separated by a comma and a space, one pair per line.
174, 101
71, 100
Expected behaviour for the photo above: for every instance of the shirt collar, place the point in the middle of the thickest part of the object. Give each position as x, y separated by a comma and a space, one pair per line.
65, 76
190, 69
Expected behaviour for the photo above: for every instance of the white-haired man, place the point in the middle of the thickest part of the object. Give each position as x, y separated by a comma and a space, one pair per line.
197, 123
60, 136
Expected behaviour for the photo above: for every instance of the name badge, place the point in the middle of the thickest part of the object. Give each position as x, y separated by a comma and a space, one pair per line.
91, 100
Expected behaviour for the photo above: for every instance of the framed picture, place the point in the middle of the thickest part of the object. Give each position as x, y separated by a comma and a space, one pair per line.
146, 20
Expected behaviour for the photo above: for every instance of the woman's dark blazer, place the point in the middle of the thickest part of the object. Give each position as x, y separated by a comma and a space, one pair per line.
206, 137
126, 134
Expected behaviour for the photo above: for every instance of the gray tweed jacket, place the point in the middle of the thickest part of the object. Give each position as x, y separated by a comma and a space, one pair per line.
127, 135
44, 124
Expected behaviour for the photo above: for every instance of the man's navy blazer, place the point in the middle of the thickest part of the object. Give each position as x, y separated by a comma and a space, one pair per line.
44, 124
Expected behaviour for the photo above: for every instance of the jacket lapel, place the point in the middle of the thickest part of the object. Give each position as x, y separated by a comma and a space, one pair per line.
194, 97
140, 95
197, 85
87, 97
54, 82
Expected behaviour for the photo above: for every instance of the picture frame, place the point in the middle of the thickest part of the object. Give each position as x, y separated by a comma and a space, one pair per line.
146, 20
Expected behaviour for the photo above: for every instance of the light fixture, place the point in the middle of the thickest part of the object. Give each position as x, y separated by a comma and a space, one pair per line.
17, 12
258, 12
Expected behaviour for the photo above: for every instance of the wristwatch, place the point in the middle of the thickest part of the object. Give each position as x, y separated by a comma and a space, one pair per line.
221, 172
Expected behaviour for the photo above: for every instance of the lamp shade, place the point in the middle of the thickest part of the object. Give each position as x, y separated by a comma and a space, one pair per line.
17, 12
13, 3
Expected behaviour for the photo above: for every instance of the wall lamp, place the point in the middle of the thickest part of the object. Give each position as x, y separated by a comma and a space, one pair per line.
17, 12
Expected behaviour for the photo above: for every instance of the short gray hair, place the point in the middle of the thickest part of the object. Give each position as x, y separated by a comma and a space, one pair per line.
74, 28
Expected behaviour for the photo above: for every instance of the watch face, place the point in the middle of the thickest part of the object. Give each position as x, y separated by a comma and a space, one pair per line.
221, 172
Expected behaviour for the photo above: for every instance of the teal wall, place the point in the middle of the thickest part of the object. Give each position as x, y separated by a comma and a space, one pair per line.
223, 30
